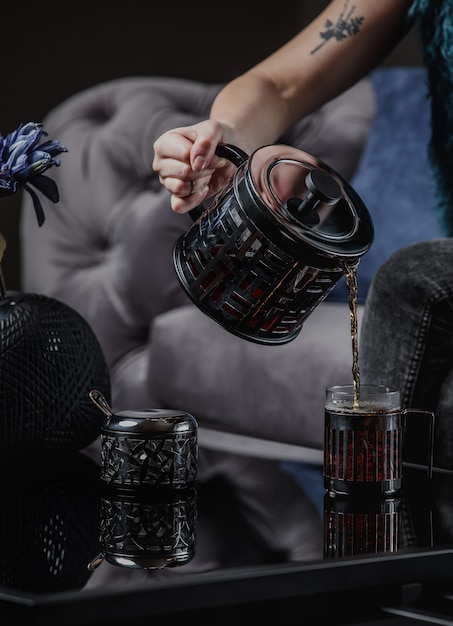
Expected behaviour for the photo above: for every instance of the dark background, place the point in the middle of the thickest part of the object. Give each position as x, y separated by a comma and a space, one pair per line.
52, 50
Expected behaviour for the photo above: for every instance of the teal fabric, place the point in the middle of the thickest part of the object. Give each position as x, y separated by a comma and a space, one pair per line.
394, 177
435, 20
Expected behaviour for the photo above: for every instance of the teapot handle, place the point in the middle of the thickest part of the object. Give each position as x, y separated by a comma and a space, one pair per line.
233, 154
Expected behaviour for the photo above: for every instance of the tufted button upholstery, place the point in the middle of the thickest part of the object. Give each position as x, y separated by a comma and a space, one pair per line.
106, 250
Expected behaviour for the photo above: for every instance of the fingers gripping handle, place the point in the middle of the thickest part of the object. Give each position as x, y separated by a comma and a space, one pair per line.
233, 154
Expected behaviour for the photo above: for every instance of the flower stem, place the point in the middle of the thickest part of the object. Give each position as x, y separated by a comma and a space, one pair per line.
3, 293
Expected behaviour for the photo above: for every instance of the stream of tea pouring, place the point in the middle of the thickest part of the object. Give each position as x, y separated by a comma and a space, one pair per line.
350, 271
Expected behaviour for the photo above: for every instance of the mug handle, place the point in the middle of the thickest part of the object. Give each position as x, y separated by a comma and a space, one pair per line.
412, 447
233, 154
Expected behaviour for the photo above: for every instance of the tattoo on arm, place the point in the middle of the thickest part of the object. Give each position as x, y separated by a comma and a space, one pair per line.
345, 26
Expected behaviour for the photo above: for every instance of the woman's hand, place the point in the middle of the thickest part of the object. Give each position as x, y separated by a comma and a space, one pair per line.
185, 160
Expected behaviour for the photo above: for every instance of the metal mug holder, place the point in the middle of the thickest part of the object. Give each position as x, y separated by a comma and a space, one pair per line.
362, 455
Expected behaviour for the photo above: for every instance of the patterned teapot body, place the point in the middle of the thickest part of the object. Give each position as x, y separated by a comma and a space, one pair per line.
273, 244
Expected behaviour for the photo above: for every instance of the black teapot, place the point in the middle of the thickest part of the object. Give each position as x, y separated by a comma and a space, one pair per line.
273, 243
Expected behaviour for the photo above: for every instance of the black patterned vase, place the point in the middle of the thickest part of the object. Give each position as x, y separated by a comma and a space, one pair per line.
50, 359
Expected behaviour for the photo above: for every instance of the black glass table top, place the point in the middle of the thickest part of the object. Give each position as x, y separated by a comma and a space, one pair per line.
250, 528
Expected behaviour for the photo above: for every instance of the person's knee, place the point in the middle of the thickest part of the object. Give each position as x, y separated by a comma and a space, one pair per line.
407, 270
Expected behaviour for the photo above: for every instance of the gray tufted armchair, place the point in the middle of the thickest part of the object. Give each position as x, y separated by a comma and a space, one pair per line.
106, 250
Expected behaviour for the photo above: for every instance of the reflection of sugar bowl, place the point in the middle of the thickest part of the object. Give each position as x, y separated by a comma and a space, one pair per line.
149, 531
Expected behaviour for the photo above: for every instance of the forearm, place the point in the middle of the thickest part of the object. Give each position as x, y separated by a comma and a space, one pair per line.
310, 69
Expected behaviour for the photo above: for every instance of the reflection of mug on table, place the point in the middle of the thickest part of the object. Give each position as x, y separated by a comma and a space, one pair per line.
363, 439
363, 525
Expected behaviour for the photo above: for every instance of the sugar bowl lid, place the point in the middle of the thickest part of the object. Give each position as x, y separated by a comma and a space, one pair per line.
151, 422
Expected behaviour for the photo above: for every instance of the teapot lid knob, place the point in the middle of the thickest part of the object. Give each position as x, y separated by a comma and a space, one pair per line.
322, 187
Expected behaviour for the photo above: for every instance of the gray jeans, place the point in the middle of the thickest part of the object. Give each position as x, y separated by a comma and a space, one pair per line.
406, 336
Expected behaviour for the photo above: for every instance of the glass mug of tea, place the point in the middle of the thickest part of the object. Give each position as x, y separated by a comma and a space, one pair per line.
363, 439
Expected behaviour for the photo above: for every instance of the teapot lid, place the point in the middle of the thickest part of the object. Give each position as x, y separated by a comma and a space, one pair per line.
308, 200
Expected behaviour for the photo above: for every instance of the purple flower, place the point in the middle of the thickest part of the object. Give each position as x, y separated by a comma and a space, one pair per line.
23, 160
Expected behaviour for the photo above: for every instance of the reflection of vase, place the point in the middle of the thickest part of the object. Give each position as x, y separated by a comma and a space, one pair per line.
50, 359
49, 523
